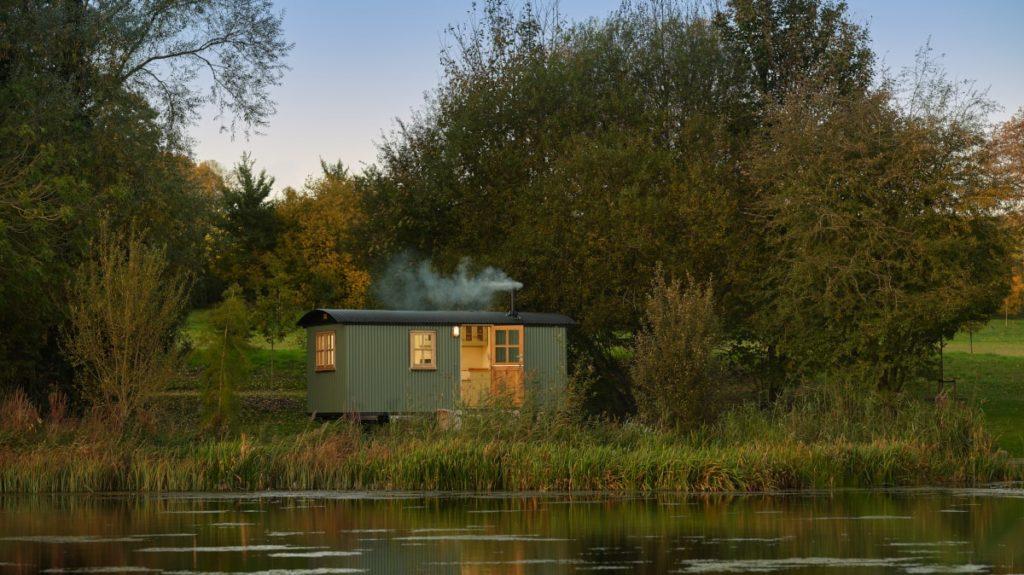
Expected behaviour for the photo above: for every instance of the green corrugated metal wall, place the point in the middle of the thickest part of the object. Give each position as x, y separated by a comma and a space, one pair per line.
544, 361
372, 372
325, 391
377, 360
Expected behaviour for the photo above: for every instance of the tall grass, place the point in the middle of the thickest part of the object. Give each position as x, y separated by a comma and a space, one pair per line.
821, 440
17, 415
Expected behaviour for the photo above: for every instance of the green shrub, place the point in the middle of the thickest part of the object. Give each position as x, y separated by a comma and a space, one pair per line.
226, 359
674, 368
124, 305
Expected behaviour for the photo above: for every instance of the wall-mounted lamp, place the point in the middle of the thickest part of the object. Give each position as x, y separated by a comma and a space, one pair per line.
455, 331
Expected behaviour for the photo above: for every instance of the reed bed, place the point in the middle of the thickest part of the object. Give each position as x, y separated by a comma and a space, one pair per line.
747, 450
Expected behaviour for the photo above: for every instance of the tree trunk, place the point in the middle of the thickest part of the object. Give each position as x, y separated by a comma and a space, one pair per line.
222, 387
942, 370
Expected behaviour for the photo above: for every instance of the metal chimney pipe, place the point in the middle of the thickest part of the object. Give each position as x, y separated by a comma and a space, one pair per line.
512, 308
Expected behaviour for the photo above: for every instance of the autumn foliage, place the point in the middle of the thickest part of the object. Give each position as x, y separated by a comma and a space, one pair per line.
317, 245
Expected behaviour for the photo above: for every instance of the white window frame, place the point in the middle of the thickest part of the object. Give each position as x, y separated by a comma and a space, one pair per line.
413, 348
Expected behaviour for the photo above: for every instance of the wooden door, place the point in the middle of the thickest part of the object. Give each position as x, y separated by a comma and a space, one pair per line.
507, 363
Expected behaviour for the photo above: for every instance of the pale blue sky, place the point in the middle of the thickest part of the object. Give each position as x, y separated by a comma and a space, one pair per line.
357, 66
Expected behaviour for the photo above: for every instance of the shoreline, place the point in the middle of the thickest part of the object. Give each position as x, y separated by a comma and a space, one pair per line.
993, 489
454, 465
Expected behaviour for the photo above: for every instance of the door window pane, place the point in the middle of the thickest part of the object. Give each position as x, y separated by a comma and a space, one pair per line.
508, 346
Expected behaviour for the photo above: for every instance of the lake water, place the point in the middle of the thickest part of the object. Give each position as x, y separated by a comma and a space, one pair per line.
917, 531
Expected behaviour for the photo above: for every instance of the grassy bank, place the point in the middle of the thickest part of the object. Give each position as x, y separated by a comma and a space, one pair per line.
453, 464
747, 451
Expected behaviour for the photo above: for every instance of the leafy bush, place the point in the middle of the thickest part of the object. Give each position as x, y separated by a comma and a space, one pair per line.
878, 256
674, 367
125, 305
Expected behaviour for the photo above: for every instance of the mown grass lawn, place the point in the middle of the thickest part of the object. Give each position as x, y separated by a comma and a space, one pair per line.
998, 337
994, 377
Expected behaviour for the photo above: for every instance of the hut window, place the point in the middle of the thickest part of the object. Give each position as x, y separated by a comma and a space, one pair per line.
325, 351
421, 349
508, 345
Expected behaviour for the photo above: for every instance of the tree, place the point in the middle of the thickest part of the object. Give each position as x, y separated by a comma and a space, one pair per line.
319, 237
576, 158
277, 307
567, 156
226, 358
884, 242
248, 226
1008, 160
1013, 303
125, 306
1007, 165
208, 177
674, 368
158, 49
787, 42
248, 215
93, 100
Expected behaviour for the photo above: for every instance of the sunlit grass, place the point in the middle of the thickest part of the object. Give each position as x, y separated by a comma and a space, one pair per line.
996, 383
998, 337
332, 460
288, 357
993, 376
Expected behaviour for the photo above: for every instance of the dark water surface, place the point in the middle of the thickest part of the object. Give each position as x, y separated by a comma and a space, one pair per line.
953, 531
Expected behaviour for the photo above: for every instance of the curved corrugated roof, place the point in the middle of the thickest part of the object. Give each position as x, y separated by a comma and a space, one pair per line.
397, 317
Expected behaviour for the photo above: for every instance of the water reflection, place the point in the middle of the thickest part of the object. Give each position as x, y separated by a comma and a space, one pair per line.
955, 531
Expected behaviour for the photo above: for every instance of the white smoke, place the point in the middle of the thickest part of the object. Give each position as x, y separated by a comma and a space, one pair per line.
408, 284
